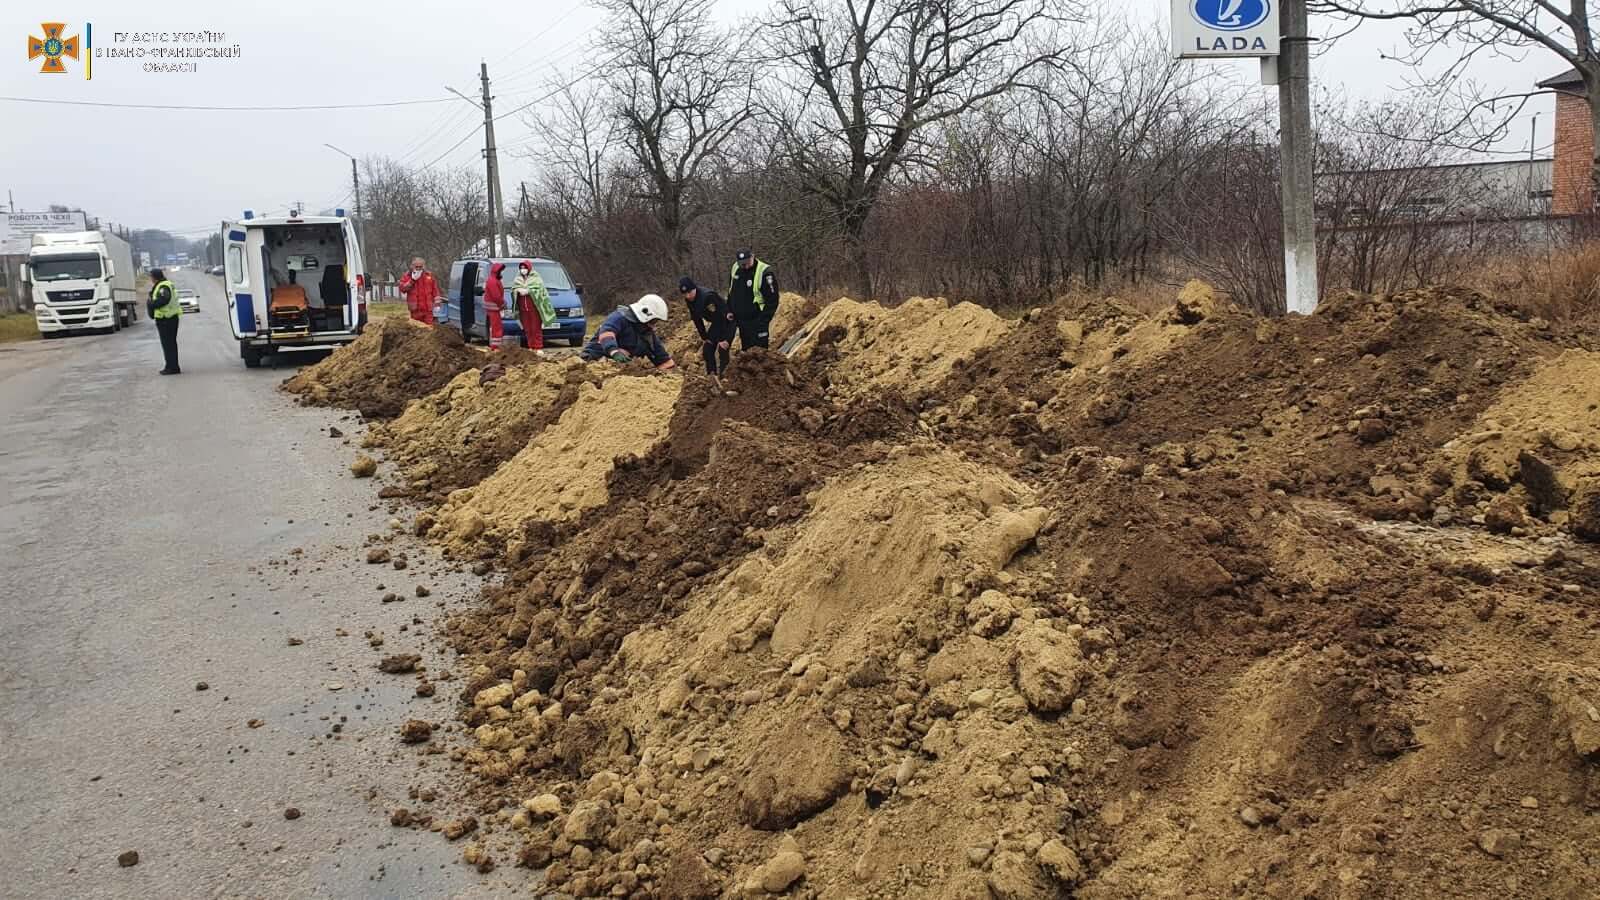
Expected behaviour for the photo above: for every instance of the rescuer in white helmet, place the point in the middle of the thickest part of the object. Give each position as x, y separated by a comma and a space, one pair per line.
629, 333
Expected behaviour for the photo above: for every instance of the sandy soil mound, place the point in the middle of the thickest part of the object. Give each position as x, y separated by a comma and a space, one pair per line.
1120, 606
912, 347
563, 470
459, 434
1530, 453
393, 362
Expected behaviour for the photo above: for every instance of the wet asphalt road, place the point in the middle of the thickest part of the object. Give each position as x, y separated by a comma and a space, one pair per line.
147, 526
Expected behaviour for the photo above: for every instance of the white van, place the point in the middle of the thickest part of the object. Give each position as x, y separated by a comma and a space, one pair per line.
293, 282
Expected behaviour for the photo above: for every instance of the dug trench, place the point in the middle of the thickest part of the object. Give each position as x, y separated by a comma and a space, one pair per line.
1091, 603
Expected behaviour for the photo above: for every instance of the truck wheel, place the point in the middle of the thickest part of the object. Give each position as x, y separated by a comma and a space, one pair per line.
252, 357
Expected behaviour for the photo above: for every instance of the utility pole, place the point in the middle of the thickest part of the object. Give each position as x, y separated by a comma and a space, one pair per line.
355, 184
522, 210
496, 209
1294, 118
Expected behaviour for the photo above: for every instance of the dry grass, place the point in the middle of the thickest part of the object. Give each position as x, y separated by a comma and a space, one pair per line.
1559, 284
377, 311
17, 327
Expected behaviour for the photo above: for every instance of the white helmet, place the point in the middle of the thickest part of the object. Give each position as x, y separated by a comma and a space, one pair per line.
649, 308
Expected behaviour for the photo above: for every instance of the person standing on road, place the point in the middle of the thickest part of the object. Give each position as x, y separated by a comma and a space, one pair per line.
494, 303
628, 333
753, 297
420, 290
713, 320
533, 305
163, 307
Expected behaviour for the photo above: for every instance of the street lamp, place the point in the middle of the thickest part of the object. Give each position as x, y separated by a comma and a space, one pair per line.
355, 179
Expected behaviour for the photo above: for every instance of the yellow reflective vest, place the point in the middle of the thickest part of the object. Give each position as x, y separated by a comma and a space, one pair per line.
172, 308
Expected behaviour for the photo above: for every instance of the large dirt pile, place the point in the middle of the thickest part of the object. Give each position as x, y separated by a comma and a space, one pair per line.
1192, 604
461, 433
910, 348
562, 471
393, 362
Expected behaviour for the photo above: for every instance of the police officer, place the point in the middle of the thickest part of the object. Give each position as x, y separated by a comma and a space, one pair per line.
714, 322
753, 297
163, 307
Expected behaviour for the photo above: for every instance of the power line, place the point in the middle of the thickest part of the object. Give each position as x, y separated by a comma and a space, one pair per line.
437, 132
224, 108
559, 19
467, 137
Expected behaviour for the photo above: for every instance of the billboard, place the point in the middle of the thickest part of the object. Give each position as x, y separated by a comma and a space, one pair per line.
18, 228
1222, 28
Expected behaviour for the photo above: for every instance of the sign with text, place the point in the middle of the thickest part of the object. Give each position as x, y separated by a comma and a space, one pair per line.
18, 228
1222, 28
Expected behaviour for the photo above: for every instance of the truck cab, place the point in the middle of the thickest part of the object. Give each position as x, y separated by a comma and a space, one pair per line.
292, 282
81, 280
464, 298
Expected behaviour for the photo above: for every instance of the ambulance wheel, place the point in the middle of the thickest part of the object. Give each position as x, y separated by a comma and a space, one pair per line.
251, 356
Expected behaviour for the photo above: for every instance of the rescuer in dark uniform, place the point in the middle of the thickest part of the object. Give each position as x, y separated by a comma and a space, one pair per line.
753, 298
713, 320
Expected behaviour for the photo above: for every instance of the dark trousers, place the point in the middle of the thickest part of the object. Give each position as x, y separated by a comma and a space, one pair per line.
754, 334
716, 357
168, 329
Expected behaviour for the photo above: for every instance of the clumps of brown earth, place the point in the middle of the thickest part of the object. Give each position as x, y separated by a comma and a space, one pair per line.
392, 363
460, 434
1112, 605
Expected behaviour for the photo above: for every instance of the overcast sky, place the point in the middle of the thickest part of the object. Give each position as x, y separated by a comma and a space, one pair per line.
186, 170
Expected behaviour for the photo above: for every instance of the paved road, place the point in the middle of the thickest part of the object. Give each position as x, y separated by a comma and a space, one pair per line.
148, 526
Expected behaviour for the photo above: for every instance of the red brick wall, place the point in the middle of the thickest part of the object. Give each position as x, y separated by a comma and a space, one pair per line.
1574, 153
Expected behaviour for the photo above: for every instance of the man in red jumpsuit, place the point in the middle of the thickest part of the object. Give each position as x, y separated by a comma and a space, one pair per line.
420, 291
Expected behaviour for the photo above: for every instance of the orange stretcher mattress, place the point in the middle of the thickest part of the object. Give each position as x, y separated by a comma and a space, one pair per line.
289, 298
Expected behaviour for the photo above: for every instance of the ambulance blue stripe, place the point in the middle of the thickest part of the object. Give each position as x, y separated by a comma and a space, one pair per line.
247, 313
235, 235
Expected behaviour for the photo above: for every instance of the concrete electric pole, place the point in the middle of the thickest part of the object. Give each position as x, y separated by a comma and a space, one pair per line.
1297, 153
497, 212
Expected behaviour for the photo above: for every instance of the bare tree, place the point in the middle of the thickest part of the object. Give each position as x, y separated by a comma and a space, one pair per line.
680, 91
869, 77
575, 147
1471, 29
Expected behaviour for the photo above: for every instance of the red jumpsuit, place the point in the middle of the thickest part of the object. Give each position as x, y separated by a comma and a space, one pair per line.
420, 294
494, 304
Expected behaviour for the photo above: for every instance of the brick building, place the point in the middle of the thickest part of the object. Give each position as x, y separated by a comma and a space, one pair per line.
1572, 187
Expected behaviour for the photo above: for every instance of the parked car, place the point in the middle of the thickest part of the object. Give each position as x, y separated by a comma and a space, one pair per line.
188, 300
214, 270
464, 294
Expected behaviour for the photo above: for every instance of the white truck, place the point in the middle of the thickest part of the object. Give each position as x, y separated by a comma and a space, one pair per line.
293, 282
81, 280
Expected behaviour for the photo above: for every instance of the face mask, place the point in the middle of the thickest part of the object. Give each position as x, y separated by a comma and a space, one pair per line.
416, 273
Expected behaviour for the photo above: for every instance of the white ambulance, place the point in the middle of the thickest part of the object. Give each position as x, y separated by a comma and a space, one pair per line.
293, 282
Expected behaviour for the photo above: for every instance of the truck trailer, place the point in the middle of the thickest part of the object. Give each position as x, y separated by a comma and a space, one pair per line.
81, 281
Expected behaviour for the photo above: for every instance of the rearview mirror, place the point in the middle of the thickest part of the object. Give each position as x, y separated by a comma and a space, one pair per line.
24, 273
577, 288
111, 270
